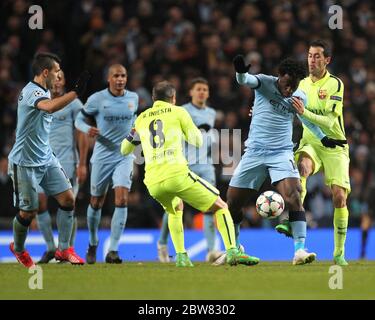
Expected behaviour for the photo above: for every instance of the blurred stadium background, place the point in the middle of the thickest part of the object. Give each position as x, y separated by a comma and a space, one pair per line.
181, 39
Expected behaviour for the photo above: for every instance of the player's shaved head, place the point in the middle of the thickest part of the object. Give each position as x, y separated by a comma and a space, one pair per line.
164, 91
116, 68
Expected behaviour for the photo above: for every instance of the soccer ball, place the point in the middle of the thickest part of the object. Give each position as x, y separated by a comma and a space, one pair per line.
270, 204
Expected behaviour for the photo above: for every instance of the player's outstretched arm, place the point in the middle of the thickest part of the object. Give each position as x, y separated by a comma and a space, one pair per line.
242, 75
327, 121
53, 105
317, 131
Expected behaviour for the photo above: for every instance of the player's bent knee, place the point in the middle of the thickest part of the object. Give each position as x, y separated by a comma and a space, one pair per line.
339, 200
122, 203
293, 199
25, 217
180, 206
219, 204
96, 202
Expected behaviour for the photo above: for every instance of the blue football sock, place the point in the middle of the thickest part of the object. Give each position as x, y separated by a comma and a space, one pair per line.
237, 227
20, 230
93, 221
209, 230
74, 232
117, 227
297, 221
45, 226
164, 231
64, 226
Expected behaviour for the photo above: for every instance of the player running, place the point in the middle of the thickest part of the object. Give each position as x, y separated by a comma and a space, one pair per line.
324, 108
200, 162
160, 130
269, 147
63, 139
31, 161
114, 110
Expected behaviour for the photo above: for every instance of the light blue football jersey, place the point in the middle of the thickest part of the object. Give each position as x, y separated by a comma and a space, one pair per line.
62, 135
32, 148
201, 117
114, 117
271, 126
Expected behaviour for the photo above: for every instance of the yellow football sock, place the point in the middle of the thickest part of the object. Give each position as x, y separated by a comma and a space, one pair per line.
340, 223
226, 228
176, 229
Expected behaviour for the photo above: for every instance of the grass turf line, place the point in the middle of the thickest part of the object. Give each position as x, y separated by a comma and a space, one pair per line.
268, 280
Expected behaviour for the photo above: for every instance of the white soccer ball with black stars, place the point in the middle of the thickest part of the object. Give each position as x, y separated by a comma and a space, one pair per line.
270, 204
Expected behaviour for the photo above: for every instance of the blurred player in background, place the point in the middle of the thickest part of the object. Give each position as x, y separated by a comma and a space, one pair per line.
324, 108
114, 110
64, 140
269, 147
160, 130
32, 162
200, 162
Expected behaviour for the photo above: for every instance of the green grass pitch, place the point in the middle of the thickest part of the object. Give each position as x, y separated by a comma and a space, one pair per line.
268, 280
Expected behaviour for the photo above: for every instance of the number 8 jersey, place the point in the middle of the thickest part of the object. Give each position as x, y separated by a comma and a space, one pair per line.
161, 130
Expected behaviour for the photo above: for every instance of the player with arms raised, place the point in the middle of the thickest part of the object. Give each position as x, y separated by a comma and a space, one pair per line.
269, 147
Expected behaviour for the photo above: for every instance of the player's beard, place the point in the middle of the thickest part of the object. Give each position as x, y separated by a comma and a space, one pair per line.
49, 83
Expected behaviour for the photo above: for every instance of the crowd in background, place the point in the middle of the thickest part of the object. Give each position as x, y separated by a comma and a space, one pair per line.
182, 39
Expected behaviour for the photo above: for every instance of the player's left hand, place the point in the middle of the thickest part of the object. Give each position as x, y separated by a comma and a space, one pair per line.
332, 143
81, 173
298, 105
204, 127
81, 83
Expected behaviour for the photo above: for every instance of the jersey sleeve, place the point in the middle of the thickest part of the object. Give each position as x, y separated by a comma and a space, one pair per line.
312, 127
36, 95
335, 96
253, 81
191, 132
91, 106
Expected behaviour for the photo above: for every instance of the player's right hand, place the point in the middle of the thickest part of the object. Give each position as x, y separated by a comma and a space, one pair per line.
239, 64
332, 143
81, 83
93, 132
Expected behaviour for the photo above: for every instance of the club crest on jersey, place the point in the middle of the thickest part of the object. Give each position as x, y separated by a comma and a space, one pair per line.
322, 94
131, 106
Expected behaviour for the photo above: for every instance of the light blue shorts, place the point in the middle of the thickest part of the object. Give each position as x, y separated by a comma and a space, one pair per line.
256, 165
205, 171
26, 180
71, 172
119, 174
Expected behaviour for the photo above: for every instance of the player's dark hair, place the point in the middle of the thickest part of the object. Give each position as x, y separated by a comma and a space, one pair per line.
327, 50
164, 91
43, 60
294, 68
197, 80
